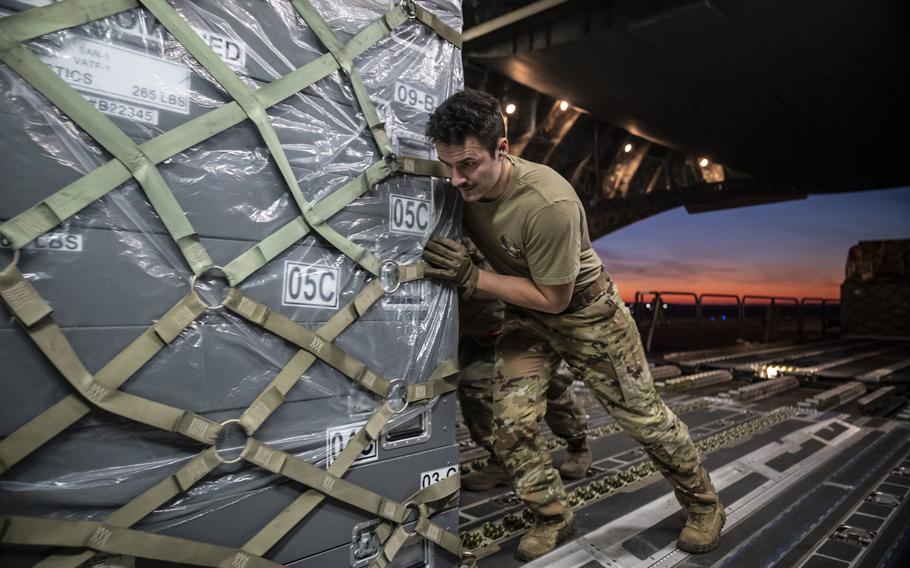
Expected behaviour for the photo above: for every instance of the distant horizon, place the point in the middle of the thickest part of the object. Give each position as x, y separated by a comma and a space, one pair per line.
788, 249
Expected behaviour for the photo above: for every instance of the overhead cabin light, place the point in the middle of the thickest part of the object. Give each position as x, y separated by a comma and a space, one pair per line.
563, 105
628, 148
510, 108
704, 162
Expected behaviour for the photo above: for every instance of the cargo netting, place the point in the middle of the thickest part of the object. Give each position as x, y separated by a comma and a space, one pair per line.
212, 219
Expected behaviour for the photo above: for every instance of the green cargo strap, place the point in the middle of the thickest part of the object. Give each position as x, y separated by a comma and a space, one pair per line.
112, 139
370, 35
423, 167
44, 427
254, 109
47, 214
331, 485
34, 314
426, 501
104, 538
44, 20
141, 506
269, 248
285, 521
322, 348
346, 62
443, 380
139, 162
273, 395
433, 22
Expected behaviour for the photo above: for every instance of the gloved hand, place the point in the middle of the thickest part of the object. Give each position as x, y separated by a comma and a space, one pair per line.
450, 260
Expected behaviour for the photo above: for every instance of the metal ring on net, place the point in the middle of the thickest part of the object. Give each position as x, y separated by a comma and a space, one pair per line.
397, 285
195, 279
16, 254
397, 384
240, 455
409, 9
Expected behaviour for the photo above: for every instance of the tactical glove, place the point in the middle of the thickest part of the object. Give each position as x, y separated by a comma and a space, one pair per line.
450, 260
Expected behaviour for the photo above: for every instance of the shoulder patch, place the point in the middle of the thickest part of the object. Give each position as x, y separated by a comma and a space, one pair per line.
508, 245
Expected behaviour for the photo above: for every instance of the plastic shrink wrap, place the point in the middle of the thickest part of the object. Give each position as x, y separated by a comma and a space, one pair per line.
265, 162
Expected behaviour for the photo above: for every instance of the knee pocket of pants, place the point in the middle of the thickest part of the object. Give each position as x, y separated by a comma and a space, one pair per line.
671, 446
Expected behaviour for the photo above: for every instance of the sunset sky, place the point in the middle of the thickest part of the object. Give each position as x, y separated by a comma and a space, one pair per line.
795, 248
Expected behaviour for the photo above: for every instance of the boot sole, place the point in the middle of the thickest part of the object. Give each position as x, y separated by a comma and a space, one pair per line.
703, 548
561, 537
573, 476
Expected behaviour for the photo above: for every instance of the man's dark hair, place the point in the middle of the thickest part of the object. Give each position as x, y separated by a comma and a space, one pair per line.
467, 113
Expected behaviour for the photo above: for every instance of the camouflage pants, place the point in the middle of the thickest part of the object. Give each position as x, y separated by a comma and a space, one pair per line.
564, 414
602, 346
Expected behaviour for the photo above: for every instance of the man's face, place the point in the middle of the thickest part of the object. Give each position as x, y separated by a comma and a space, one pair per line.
474, 170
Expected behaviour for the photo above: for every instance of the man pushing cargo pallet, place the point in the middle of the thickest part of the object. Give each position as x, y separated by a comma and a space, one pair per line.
561, 304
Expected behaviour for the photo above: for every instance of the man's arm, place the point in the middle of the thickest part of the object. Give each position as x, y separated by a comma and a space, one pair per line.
525, 292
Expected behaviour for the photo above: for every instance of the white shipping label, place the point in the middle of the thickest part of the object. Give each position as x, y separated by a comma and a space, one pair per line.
414, 97
231, 51
410, 215
64, 242
126, 110
124, 74
338, 438
310, 285
428, 478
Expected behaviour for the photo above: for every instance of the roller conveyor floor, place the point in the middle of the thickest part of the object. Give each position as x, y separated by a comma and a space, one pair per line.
802, 487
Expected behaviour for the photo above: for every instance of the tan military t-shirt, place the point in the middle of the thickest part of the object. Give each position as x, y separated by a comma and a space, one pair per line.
536, 229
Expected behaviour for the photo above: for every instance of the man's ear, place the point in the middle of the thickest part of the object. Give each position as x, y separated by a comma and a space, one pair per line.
502, 146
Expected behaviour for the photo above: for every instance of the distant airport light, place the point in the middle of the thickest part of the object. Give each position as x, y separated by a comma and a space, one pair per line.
769, 371
648, 306
628, 148
665, 306
703, 162
510, 108
563, 105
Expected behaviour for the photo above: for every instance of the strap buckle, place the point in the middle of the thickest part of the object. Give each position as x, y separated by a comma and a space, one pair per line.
410, 9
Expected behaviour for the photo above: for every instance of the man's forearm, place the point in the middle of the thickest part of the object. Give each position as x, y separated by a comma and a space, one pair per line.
523, 292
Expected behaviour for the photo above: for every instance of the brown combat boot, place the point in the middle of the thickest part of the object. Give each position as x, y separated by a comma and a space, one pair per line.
489, 476
578, 460
543, 537
702, 530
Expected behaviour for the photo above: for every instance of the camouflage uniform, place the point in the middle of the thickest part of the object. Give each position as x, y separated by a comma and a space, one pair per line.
601, 344
563, 413
481, 324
